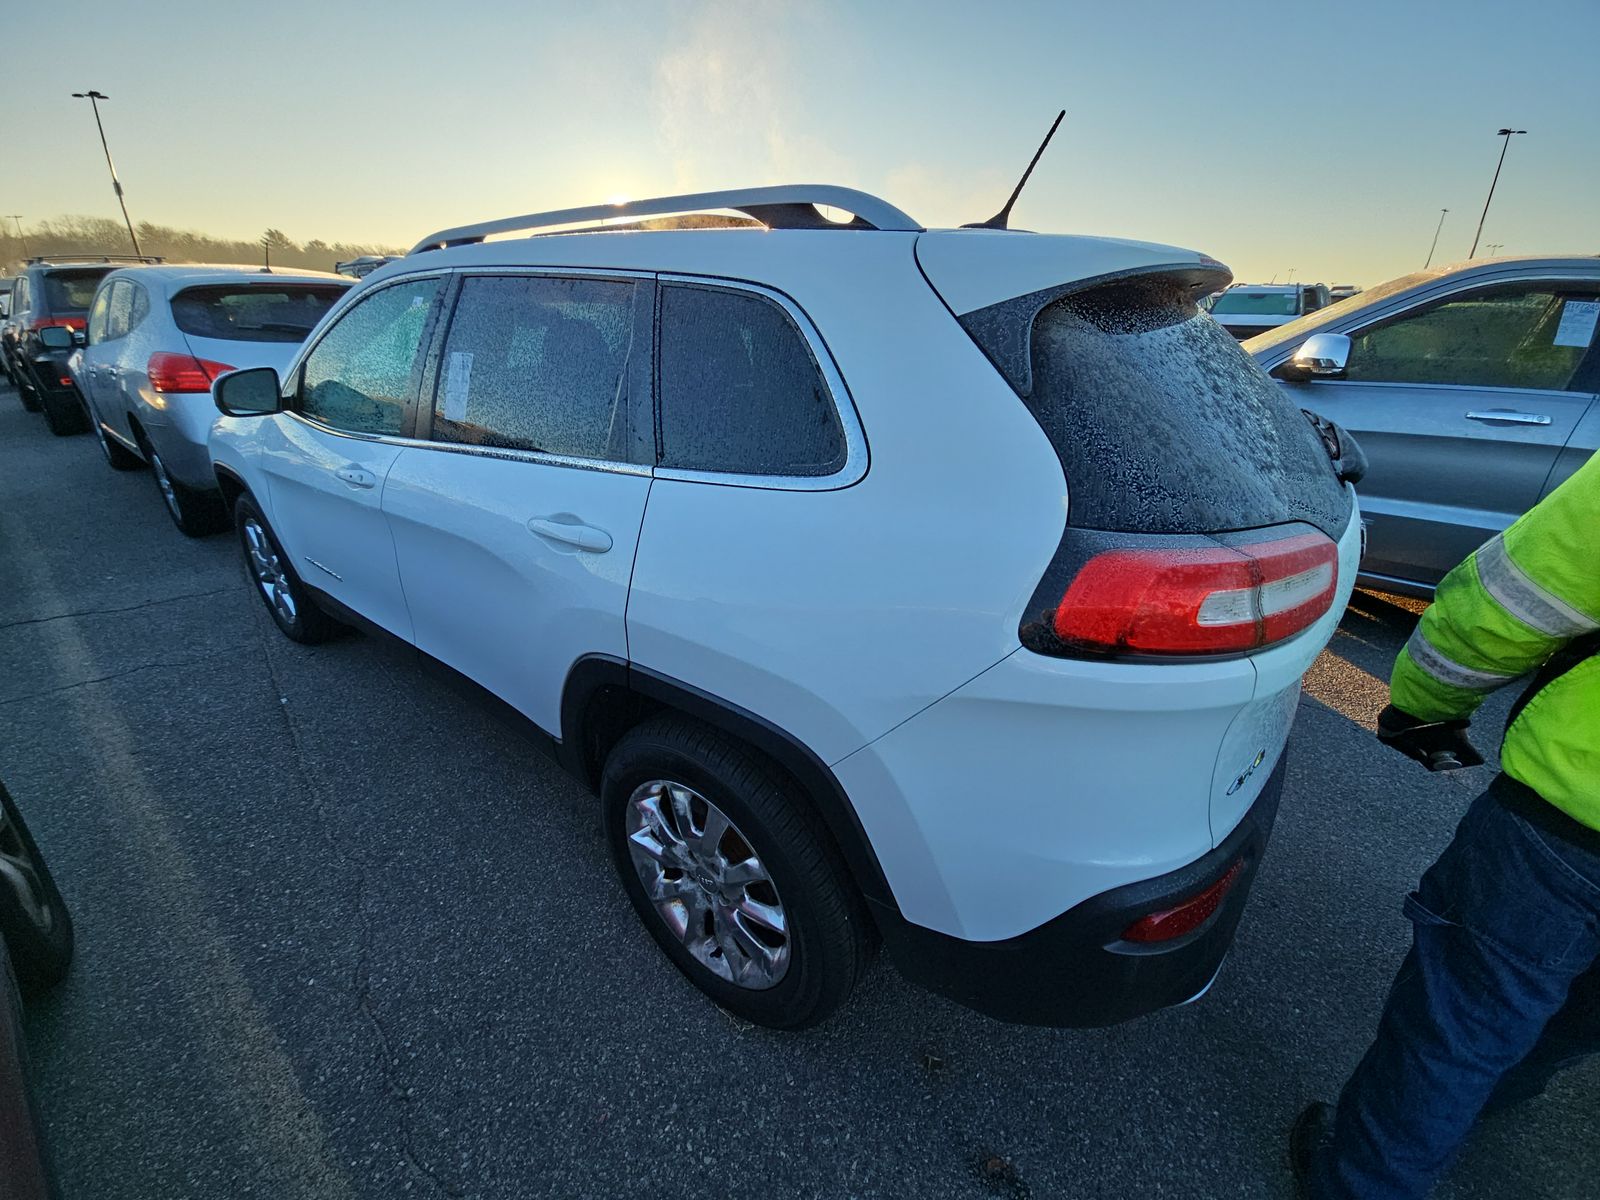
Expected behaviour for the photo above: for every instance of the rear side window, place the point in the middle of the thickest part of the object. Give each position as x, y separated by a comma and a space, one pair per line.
364, 370
1163, 424
1512, 337
740, 390
542, 364
253, 312
71, 291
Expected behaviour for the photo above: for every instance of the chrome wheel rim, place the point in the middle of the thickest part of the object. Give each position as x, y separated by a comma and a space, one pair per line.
20, 876
708, 885
270, 574
162, 482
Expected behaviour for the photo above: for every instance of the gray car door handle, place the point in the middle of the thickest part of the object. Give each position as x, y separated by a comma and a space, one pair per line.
357, 477
1508, 417
584, 537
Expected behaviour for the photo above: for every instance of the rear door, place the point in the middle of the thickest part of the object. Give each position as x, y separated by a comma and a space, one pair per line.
1462, 407
515, 529
98, 356
326, 458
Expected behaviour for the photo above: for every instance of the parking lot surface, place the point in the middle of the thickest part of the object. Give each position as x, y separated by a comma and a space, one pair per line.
341, 934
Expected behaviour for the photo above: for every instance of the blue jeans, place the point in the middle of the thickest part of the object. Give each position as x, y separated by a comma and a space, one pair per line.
1500, 990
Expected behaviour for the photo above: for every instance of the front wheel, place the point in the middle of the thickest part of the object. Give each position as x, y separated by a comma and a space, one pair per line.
194, 512
34, 922
280, 589
733, 874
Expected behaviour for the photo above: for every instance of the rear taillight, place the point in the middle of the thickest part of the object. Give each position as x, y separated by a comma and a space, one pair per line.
183, 372
1216, 598
77, 323
1184, 918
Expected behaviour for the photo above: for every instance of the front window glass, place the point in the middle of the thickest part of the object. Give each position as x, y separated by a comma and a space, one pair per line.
97, 315
1513, 337
1255, 304
253, 312
363, 373
539, 363
120, 312
1298, 331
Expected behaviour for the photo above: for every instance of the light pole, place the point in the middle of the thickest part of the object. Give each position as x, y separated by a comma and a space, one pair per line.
94, 98
1436, 230
1508, 134
17, 217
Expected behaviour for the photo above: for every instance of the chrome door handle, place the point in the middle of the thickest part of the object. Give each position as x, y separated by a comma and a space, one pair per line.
357, 477
1508, 417
584, 537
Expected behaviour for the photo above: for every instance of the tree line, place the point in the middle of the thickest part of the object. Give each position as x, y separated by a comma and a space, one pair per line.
75, 235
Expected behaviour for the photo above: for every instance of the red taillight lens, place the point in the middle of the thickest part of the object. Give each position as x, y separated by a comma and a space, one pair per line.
183, 372
1172, 923
63, 322
1199, 600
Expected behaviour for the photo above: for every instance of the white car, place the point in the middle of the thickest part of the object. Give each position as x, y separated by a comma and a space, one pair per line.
1248, 309
950, 586
157, 336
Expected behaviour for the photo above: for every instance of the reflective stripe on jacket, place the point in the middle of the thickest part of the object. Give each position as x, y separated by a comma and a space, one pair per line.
1522, 596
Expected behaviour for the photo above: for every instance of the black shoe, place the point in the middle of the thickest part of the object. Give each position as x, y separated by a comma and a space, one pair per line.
1310, 1134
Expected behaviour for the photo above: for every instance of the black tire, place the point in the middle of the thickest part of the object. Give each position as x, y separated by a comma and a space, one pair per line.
310, 624
118, 456
196, 513
25, 392
64, 415
830, 938
33, 918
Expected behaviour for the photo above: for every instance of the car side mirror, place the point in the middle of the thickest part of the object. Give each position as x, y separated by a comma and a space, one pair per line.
80, 337
252, 393
1320, 356
56, 337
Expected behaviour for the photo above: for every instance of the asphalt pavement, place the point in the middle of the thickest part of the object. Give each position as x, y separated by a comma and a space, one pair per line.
341, 934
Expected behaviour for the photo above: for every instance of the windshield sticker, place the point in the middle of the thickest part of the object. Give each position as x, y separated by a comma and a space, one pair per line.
1578, 320
457, 382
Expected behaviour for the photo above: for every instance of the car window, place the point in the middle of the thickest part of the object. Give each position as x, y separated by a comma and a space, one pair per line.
1513, 337
539, 363
362, 373
141, 305
740, 390
97, 315
119, 313
71, 291
254, 312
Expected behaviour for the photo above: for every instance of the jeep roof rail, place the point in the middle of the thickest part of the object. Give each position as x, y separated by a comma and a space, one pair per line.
67, 260
790, 206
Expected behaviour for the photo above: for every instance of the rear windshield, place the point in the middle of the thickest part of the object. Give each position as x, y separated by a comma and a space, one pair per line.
1256, 304
254, 312
1164, 425
72, 291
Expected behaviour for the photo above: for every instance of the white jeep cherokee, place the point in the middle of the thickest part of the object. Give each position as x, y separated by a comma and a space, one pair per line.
950, 587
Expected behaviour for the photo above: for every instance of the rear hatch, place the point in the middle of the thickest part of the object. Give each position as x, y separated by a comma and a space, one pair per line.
230, 326
1203, 508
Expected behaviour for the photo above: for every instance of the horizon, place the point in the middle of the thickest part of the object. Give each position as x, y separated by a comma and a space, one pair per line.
1177, 128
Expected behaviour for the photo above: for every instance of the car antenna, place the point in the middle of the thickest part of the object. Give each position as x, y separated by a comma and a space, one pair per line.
998, 221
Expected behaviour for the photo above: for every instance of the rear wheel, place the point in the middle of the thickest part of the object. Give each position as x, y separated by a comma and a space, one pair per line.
25, 392
280, 589
733, 874
194, 512
117, 455
33, 918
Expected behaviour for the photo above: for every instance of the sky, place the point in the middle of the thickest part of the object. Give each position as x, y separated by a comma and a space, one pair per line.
1276, 136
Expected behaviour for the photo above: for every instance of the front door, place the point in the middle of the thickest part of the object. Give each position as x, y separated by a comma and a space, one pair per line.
327, 457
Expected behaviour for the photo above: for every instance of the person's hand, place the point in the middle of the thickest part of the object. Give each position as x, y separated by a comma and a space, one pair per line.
1437, 745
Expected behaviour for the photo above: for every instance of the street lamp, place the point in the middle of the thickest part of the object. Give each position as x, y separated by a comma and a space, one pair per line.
94, 98
1436, 230
1508, 134
17, 217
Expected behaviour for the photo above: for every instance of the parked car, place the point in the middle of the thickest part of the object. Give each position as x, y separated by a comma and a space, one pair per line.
1343, 291
1247, 309
158, 336
775, 553
35, 952
1473, 390
52, 293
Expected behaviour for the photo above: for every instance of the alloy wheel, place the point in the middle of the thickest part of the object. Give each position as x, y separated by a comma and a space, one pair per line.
270, 574
707, 884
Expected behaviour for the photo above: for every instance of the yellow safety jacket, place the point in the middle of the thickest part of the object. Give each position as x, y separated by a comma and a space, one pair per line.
1527, 597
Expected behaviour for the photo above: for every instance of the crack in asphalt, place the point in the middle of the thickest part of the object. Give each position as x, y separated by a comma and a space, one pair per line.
359, 979
103, 612
155, 666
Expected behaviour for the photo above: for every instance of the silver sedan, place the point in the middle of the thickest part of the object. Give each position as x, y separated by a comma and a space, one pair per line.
1472, 389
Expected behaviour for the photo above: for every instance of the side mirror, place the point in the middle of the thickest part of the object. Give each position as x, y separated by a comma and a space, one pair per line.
80, 337
252, 393
56, 337
1320, 356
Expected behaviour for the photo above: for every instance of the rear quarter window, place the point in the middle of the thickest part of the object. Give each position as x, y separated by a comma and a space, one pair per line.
253, 312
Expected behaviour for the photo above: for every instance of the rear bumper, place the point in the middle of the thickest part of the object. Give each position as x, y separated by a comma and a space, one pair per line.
1076, 970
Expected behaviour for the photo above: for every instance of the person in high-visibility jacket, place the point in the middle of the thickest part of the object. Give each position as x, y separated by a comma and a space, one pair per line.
1501, 987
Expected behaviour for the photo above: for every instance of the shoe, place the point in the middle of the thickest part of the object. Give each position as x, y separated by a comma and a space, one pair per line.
1310, 1134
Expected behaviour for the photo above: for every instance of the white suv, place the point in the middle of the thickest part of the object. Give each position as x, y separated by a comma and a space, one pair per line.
952, 587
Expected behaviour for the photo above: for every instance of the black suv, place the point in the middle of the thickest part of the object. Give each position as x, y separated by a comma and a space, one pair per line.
53, 291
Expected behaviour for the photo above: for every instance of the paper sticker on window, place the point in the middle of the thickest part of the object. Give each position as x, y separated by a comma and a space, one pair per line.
1578, 318
457, 382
